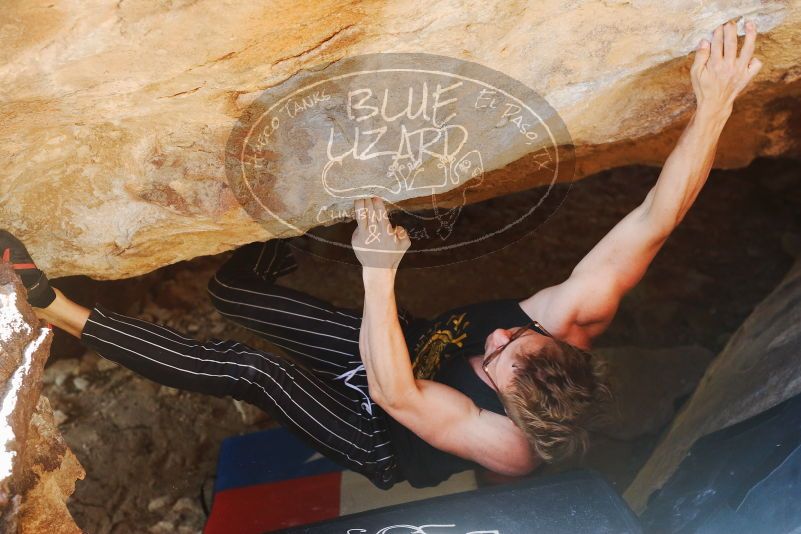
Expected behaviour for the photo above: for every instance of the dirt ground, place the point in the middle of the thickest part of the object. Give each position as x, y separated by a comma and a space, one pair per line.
149, 449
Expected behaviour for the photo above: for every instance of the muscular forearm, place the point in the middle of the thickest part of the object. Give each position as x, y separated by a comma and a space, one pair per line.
383, 347
686, 169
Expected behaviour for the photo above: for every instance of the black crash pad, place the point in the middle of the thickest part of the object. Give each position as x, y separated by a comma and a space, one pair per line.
567, 503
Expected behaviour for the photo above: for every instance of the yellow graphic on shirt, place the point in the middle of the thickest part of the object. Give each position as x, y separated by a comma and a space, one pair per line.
431, 346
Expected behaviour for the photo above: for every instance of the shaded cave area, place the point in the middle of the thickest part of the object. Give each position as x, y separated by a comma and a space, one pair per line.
149, 449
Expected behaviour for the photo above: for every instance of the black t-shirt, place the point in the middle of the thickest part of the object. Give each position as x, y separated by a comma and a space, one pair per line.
440, 349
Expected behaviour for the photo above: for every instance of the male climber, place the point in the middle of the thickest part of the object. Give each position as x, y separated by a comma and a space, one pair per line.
504, 384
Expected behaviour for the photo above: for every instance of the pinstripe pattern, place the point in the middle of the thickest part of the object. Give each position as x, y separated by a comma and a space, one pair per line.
321, 395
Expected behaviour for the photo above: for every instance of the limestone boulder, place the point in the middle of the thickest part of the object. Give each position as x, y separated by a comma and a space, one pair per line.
115, 115
758, 368
37, 469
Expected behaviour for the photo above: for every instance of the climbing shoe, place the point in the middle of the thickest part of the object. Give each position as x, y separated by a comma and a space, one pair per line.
40, 294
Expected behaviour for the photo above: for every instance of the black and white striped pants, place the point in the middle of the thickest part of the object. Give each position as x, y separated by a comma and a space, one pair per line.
321, 395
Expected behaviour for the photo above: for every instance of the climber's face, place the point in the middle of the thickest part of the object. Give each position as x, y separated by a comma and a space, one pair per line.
504, 350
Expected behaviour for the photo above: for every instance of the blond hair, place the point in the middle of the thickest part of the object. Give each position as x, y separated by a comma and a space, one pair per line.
552, 395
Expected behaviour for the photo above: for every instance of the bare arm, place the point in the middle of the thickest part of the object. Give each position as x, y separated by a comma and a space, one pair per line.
438, 414
583, 306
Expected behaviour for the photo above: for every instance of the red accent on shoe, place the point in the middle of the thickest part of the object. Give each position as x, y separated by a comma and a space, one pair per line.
23, 265
7, 255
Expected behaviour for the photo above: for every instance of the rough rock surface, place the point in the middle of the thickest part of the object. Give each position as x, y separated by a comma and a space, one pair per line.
756, 370
115, 117
38, 469
52, 469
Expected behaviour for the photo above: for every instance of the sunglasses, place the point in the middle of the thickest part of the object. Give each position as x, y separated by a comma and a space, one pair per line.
533, 325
